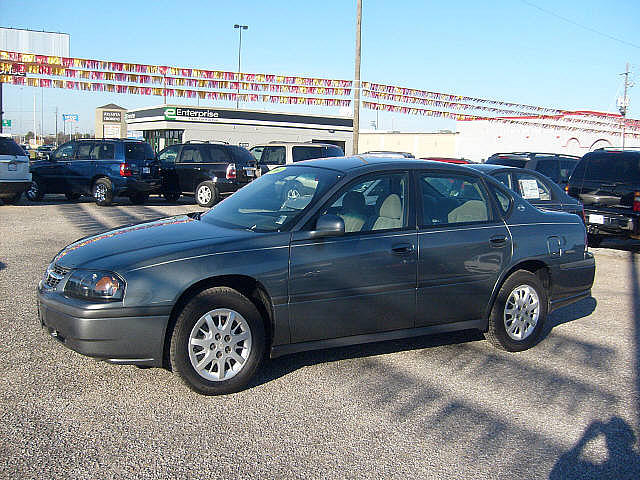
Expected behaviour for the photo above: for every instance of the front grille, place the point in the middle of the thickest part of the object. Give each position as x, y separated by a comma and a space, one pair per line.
54, 275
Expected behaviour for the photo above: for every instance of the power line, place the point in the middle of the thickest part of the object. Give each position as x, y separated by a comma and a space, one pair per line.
568, 20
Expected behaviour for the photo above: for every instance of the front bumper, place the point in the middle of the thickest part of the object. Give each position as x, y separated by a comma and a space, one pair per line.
116, 335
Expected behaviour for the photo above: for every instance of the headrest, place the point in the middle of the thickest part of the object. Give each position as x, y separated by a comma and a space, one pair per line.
391, 207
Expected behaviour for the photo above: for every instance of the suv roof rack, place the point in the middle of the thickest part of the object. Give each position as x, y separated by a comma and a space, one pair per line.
618, 149
221, 142
526, 154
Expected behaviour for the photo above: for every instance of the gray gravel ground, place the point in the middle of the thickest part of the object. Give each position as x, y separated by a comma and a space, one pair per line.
434, 407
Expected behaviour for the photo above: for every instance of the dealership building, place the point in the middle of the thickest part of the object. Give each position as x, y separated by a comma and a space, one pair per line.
166, 125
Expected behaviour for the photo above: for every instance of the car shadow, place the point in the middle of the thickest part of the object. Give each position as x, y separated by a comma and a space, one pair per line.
3, 266
613, 243
154, 200
281, 366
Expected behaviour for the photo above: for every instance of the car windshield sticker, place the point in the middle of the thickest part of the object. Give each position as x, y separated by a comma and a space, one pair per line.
275, 170
281, 219
529, 188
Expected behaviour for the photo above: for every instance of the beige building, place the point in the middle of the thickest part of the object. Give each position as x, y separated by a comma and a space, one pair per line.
437, 144
111, 121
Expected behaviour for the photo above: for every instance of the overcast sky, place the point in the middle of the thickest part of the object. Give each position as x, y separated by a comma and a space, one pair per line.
566, 54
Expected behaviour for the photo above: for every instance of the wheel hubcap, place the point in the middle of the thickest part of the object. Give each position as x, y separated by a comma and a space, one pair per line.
204, 194
33, 190
219, 344
521, 312
101, 192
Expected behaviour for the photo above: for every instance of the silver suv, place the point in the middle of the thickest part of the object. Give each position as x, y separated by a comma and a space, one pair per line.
14, 170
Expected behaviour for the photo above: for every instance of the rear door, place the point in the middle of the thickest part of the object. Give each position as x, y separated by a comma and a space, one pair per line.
52, 172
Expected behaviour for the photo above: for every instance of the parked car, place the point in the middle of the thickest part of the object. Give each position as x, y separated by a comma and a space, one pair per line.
276, 154
607, 182
458, 161
534, 187
557, 167
14, 170
373, 249
102, 168
43, 152
206, 170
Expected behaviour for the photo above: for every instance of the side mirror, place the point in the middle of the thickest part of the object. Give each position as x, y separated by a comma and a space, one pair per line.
328, 226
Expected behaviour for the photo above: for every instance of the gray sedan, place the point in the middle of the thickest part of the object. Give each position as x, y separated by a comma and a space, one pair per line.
318, 254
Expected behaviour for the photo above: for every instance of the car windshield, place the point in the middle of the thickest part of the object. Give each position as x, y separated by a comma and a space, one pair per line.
274, 201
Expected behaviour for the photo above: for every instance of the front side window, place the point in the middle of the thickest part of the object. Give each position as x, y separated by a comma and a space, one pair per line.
273, 202
65, 151
373, 203
168, 155
452, 199
532, 188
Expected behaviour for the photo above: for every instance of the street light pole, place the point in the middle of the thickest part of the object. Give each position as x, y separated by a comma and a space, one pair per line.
356, 83
240, 28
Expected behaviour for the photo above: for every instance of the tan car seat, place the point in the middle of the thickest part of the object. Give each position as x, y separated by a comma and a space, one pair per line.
390, 214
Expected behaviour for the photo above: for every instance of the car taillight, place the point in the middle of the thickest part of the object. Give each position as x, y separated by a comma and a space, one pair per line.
636, 202
566, 189
125, 170
231, 171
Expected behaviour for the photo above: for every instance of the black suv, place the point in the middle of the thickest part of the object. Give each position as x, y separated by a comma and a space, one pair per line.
607, 181
205, 170
102, 168
557, 167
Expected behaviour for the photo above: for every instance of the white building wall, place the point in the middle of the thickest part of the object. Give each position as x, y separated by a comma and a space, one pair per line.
419, 144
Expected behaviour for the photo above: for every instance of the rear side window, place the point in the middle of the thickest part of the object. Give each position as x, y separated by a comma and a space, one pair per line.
550, 168
9, 147
273, 156
103, 151
613, 167
531, 188
306, 153
84, 151
333, 151
566, 169
191, 155
217, 154
241, 154
137, 151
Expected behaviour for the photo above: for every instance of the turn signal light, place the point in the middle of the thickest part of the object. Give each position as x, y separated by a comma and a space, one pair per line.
125, 170
636, 202
231, 171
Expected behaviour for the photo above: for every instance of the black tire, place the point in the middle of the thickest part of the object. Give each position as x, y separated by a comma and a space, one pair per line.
594, 240
171, 196
12, 200
34, 193
207, 194
498, 319
139, 198
72, 197
103, 192
223, 298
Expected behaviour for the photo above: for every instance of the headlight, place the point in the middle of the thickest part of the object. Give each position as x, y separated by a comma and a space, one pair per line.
95, 285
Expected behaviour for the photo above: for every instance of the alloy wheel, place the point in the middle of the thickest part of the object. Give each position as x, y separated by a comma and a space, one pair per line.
521, 312
204, 195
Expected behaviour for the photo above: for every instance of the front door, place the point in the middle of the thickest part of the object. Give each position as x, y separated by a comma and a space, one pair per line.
463, 245
363, 281
188, 167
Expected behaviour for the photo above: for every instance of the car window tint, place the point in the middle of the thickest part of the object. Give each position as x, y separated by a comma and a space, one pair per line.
84, 150
374, 203
240, 154
507, 162
566, 169
9, 147
257, 153
137, 151
103, 151
306, 153
549, 168
273, 156
65, 151
614, 167
333, 151
217, 154
532, 188
191, 155
503, 177
169, 154
452, 199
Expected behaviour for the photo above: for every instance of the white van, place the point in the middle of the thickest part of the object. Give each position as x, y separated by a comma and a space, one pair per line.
14, 170
276, 154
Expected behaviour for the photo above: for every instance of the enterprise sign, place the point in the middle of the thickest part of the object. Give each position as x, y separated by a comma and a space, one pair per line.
181, 113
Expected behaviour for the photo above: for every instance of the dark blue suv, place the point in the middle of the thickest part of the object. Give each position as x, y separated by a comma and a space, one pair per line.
102, 168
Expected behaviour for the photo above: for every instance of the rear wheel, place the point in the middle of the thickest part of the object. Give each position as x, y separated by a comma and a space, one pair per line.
218, 342
72, 196
139, 198
207, 194
103, 192
518, 313
35, 192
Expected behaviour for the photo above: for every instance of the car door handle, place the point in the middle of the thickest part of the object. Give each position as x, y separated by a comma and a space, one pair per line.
498, 241
402, 248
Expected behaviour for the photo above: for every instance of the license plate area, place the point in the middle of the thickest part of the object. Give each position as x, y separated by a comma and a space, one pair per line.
597, 219
146, 170
13, 167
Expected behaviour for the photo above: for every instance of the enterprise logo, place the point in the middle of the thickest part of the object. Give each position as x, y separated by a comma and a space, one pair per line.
174, 113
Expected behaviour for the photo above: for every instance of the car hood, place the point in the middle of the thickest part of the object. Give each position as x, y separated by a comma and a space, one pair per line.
133, 245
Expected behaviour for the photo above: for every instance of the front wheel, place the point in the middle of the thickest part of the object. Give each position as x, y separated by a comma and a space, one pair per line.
518, 313
103, 192
218, 342
207, 194
35, 192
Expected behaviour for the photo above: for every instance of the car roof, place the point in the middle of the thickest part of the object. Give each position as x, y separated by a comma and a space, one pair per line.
295, 144
377, 162
490, 167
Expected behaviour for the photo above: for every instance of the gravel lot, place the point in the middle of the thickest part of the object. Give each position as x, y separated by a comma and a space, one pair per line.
434, 407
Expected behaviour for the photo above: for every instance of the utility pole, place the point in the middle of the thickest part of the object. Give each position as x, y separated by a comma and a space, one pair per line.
623, 103
56, 131
240, 28
1, 112
356, 83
